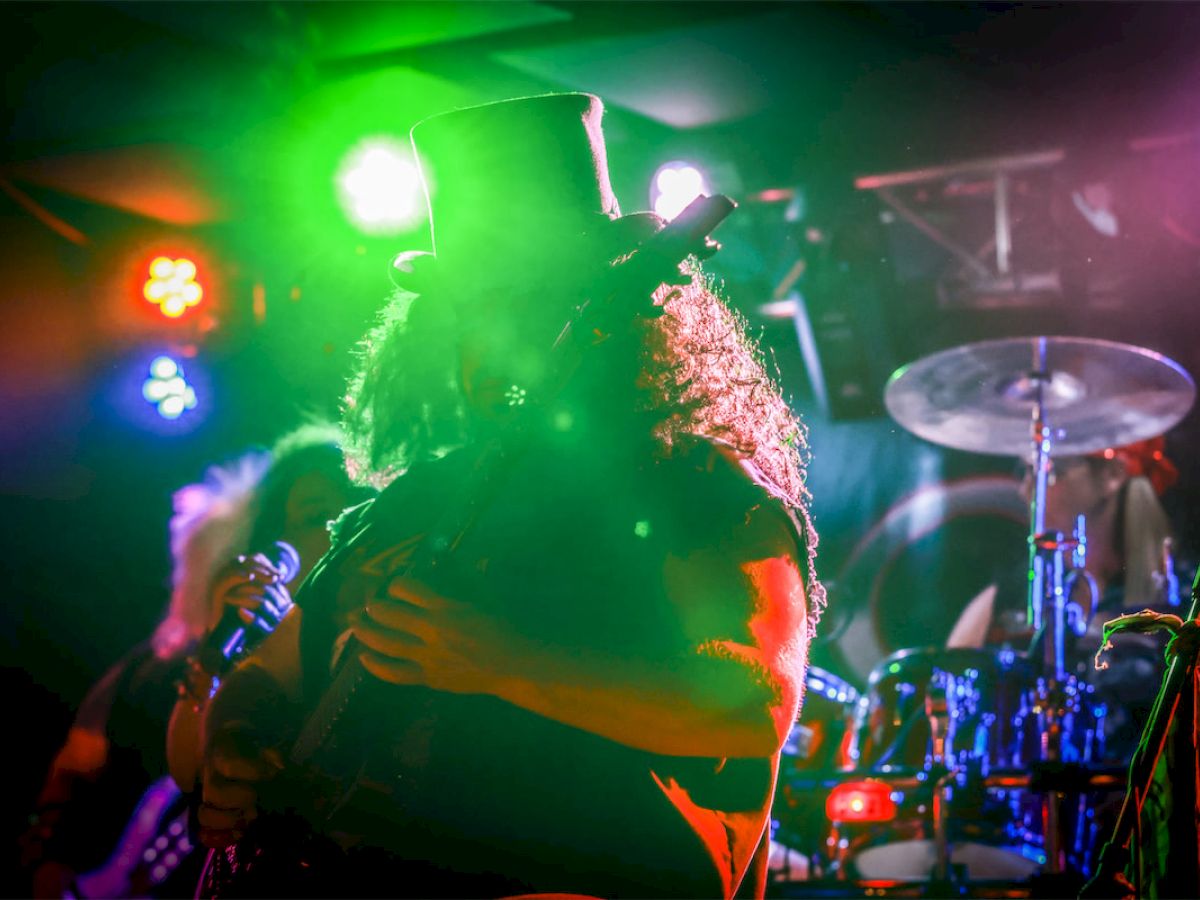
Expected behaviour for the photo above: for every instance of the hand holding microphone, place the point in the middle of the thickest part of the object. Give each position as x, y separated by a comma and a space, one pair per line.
254, 597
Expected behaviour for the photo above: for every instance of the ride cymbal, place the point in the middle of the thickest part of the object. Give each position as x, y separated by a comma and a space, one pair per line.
1095, 394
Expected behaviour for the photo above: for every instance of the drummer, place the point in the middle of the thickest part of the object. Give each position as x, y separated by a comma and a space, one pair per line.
1129, 541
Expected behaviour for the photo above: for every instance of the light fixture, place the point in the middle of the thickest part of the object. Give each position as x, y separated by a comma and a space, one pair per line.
379, 186
675, 185
167, 389
172, 286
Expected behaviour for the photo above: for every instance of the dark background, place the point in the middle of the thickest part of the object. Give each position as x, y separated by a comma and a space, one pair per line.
215, 128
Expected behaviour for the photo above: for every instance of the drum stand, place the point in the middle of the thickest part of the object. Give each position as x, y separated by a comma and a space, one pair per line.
1052, 613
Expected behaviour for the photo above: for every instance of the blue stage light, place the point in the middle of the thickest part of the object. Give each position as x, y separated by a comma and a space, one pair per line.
167, 388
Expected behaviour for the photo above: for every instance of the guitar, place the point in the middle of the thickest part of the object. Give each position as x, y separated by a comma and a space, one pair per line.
345, 773
152, 847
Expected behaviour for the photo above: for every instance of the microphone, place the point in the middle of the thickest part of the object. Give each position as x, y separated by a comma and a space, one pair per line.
234, 637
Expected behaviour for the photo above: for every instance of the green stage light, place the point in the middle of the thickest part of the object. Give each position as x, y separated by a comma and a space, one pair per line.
379, 187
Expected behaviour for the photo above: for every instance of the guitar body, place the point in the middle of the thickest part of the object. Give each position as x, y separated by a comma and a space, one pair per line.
154, 845
363, 814
280, 856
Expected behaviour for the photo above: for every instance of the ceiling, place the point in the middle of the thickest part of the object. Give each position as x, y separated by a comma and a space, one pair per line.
127, 120
857, 86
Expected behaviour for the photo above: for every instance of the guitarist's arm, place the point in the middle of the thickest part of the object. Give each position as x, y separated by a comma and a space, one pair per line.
726, 685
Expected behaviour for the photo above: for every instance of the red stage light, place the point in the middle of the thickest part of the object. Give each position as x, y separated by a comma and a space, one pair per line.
172, 286
860, 801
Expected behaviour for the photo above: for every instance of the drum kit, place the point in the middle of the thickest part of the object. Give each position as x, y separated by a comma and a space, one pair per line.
979, 771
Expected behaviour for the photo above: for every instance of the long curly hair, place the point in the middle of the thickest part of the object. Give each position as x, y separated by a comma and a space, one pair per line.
696, 372
212, 523
237, 506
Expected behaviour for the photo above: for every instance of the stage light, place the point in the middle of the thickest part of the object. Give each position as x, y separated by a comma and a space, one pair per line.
379, 186
860, 801
675, 185
163, 368
172, 286
167, 388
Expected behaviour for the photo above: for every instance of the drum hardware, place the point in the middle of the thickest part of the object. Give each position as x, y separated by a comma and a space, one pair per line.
988, 758
854, 827
980, 397
983, 742
1063, 777
1040, 398
941, 835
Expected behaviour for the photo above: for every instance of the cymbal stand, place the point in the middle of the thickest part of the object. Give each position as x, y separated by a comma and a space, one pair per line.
1050, 610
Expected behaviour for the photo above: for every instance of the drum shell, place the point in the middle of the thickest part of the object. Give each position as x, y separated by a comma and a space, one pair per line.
819, 740
814, 750
977, 694
996, 713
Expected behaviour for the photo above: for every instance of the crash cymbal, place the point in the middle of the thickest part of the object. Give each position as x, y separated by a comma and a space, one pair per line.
980, 397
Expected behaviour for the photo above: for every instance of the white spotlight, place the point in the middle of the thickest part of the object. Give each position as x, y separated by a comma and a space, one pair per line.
675, 185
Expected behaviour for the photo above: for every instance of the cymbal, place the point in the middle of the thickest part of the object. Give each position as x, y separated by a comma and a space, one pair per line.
1096, 394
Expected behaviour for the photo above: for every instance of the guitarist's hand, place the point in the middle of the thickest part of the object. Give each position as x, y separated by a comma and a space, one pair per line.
415, 636
234, 768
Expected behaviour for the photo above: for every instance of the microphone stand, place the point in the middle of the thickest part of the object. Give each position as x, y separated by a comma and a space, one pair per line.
1109, 880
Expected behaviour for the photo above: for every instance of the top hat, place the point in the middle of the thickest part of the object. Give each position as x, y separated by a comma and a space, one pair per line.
517, 182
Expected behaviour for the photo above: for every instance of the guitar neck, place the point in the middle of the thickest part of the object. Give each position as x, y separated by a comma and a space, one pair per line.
340, 699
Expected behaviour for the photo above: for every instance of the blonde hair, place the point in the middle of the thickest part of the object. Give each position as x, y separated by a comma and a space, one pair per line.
1144, 528
211, 524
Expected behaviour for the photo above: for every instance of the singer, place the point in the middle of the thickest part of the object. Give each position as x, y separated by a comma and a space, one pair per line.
115, 749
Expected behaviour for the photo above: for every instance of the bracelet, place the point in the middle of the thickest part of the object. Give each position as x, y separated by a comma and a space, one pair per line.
197, 684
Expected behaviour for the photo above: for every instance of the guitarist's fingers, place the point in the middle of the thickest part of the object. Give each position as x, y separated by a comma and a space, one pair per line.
237, 751
391, 670
226, 794
414, 592
390, 643
397, 614
241, 768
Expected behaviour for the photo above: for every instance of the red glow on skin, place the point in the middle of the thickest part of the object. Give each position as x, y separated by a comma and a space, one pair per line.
780, 629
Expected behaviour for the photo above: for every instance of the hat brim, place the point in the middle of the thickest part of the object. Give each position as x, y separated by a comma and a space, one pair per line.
418, 271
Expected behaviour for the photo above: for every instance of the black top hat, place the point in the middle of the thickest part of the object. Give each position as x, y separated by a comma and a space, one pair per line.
517, 182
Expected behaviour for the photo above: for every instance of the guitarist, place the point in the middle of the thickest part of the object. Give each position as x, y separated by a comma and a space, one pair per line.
116, 747
588, 690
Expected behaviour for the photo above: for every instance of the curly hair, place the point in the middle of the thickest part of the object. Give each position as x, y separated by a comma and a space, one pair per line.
237, 506
698, 374
708, 376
